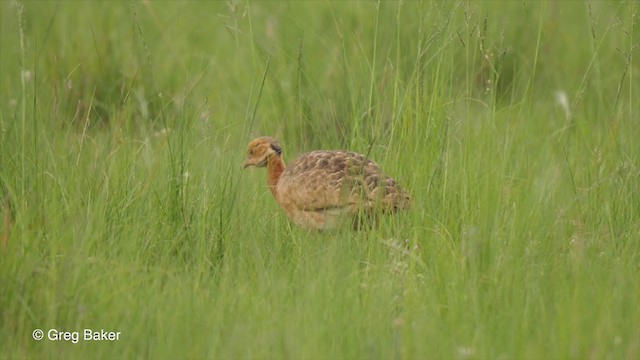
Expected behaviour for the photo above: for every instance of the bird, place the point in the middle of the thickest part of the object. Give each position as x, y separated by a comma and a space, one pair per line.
323, 189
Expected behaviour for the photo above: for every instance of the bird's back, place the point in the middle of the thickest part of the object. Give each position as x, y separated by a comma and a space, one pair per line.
337, 183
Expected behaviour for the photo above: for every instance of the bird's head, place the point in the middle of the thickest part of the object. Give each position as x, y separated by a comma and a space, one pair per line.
260, 150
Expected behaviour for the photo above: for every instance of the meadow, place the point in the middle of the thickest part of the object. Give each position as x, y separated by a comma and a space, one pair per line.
515, 125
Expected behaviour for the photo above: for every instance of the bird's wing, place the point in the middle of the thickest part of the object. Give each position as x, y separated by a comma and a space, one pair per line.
326, 180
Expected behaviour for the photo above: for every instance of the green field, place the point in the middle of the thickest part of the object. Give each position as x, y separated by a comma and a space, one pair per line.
514, 125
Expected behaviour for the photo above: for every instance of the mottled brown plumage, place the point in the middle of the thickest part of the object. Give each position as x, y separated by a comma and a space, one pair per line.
321, 189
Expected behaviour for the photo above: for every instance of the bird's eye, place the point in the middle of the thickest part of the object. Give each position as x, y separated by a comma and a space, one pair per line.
251, 152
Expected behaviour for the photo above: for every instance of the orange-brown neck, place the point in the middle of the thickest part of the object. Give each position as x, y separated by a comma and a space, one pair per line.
275, 168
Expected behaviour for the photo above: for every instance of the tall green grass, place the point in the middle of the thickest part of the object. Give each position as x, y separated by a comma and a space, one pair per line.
513, 124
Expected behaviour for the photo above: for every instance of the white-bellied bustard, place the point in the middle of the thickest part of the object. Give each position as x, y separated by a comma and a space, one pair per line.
321, 189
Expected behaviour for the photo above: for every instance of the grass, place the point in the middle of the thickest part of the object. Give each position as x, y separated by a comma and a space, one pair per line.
513, 124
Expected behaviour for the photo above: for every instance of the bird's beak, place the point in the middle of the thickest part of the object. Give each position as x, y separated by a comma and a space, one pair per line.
247, 163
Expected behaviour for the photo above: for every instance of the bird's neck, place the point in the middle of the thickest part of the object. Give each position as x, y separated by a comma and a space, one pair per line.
275, 168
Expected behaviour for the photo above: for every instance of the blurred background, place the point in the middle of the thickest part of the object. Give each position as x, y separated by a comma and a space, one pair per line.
514, 124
